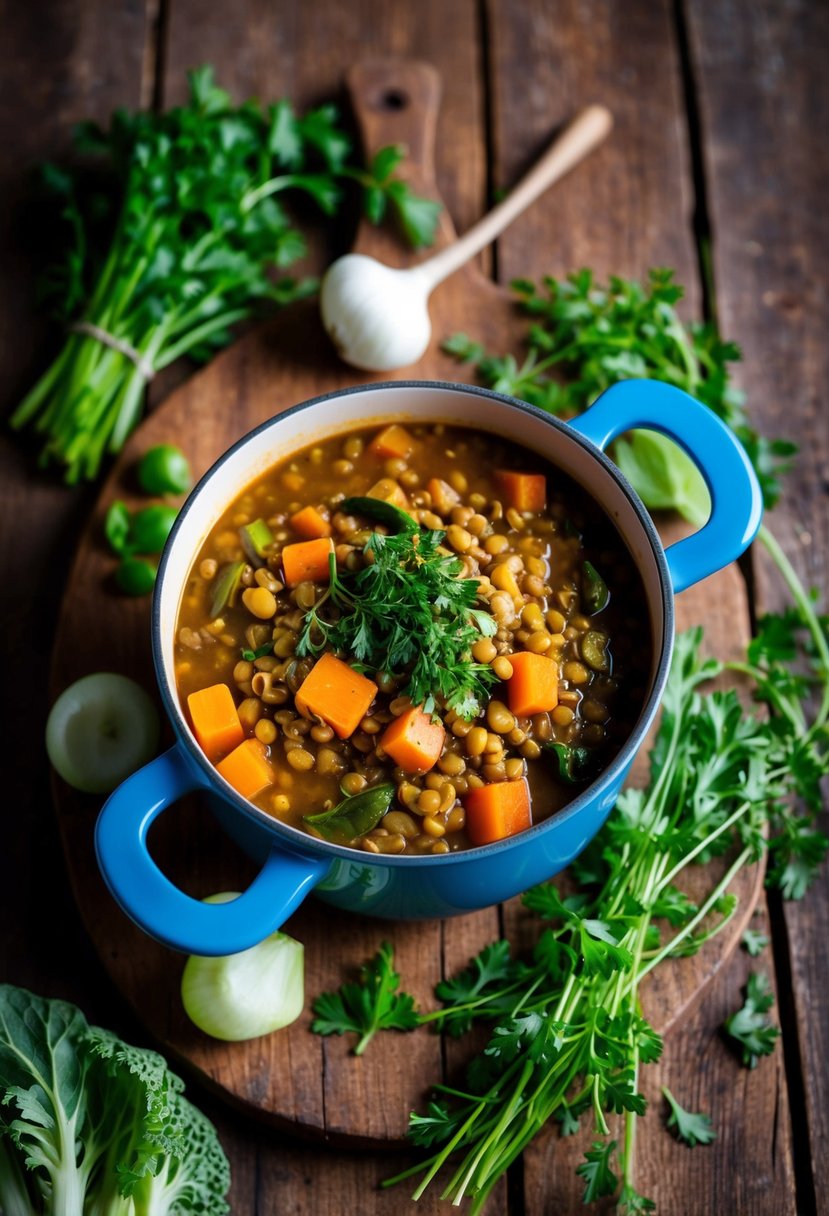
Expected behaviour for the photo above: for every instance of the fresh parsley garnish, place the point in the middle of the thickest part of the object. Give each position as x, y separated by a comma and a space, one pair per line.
754, 942
409, 613
597, 1170
692, 1129
749, 1026
367, 1006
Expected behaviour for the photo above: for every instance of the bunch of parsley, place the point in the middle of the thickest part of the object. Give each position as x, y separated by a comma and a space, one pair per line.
409, 614
175, 238
583, 337
568, 1035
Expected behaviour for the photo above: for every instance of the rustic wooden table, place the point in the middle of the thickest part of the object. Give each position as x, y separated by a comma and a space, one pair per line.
717, 167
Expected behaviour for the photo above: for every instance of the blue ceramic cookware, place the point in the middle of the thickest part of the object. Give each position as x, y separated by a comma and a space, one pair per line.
293, 863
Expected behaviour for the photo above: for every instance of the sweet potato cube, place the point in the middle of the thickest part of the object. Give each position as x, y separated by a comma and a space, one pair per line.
336, 693
215, 721
389, 491
494, 812
524, 491
309, 524
307, 560
247, 768
392, 441
413, 741
533, 686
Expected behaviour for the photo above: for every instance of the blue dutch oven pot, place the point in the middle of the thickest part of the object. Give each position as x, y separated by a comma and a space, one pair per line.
293, 863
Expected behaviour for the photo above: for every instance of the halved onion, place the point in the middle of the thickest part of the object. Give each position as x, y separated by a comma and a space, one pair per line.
245, 995
100, 730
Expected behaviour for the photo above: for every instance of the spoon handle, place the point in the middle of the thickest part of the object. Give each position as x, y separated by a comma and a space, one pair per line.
579, 137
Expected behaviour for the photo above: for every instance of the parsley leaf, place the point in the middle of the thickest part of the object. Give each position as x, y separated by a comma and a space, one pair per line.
171, 226
691, 1129
597, 1171
597, 335
754, 942
748, 1026
408, 612
367, 1006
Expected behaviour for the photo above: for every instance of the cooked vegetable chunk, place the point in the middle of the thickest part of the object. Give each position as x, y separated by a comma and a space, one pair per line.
307, 560
414, 741
393, 441
215, 721
524, 491
533, 686
247, 768
309, 524
494, 812
336, 693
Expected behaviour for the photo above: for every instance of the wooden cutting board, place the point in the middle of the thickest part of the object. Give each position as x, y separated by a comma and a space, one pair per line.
294, 1078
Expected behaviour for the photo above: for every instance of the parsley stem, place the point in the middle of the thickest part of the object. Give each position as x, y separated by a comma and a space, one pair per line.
807, 612
705, 908
688, 857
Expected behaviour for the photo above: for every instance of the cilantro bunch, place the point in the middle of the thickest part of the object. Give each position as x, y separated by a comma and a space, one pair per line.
178, 235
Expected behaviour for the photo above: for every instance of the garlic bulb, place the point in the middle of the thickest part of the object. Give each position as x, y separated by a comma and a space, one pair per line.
376, 317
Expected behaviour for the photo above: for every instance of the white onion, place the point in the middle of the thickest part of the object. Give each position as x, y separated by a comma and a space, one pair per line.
245, 995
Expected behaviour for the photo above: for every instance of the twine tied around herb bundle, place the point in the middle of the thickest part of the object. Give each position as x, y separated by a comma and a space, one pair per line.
90, 330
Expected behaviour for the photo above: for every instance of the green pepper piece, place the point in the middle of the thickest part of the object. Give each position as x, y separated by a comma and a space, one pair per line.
594, 650
256, 538
225, 587
595, 590
356, 814
384, 512
574, 763
117, 527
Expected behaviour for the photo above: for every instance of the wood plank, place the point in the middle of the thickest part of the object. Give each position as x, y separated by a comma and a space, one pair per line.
624, 210
302, 51
59, 63
763, 95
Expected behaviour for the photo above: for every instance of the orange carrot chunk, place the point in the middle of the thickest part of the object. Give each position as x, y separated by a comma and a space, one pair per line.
413, 741
310, 524
533, 686
392, 441
443, 496
307, 560
524, 491
215, 721
496, 811
336, 693
247, 768
389, 491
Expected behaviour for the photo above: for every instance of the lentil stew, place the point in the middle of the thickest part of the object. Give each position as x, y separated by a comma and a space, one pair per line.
412, 640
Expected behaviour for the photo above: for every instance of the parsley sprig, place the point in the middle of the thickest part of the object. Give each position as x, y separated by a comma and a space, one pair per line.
407, 613
749, 1026
173, 231
690, 1127
368, 1006
583, 337
568, 1037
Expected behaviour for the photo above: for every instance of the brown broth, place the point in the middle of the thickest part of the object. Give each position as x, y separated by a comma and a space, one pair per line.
596, 711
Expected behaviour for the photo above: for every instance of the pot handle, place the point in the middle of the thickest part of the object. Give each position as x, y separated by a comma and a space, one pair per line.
158, 906
736, 498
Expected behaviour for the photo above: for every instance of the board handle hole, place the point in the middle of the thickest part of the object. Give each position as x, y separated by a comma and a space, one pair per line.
393, 99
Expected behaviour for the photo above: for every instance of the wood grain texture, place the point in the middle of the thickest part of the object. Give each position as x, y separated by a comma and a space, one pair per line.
763, 97
626, 209
60, 62
764, 104
314, 1086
